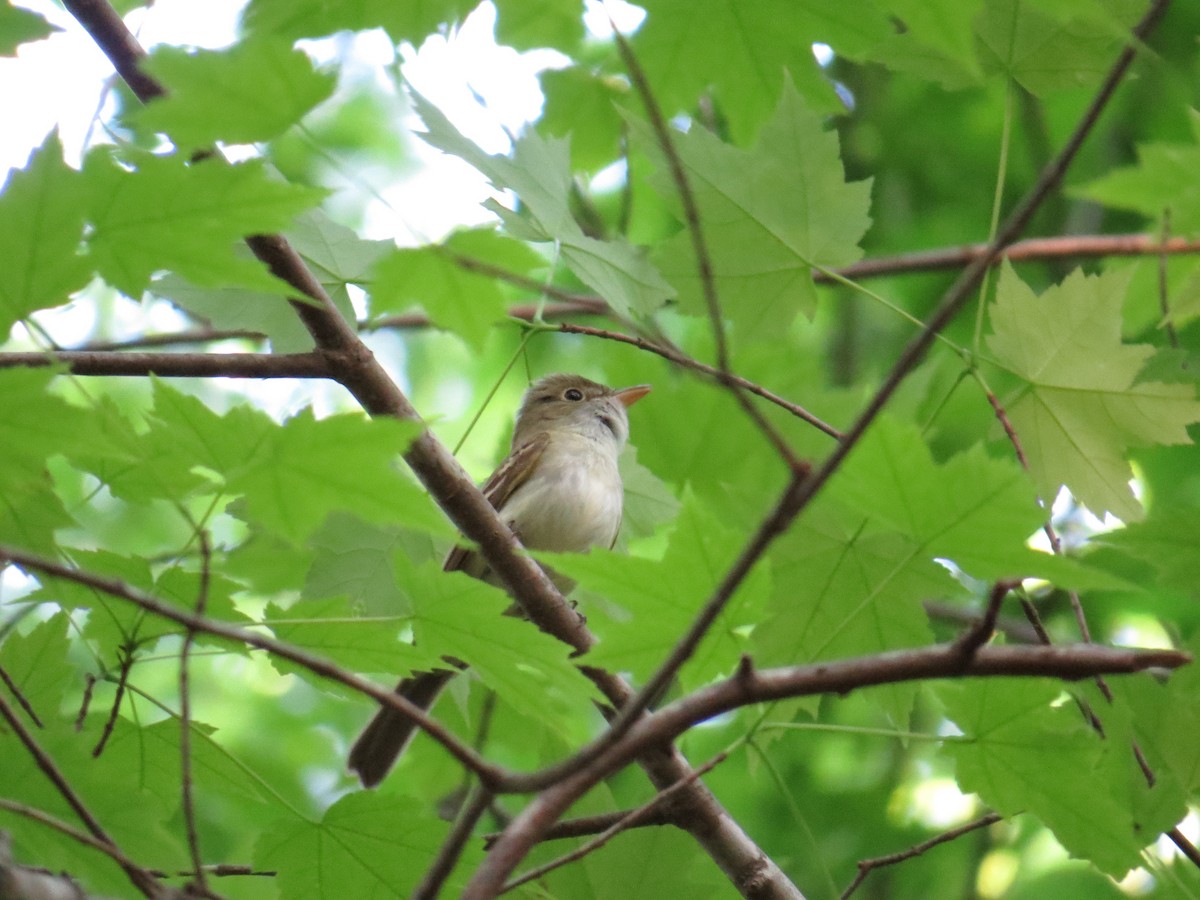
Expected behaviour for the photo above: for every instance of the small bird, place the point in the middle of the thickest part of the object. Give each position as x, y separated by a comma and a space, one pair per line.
559, 489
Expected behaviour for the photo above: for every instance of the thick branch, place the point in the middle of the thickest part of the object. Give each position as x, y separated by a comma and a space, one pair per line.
178, 365
1070, 662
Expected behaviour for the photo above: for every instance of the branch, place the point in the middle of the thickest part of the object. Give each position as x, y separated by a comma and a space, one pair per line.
141, 879
680, 359
1070, 662
474, 808
704, 266
1030, 250
866, 866
107, 848
587, 825
178, 365
185, 719
628, 820
323, 668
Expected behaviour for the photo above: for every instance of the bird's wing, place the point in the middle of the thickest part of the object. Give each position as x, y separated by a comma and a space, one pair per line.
511, 474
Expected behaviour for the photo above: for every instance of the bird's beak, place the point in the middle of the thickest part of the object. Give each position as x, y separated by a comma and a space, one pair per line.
631, 395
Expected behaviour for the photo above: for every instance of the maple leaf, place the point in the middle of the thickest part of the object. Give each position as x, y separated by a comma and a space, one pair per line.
1081, 406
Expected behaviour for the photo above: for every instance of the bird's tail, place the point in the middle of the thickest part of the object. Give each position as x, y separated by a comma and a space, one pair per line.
386, 735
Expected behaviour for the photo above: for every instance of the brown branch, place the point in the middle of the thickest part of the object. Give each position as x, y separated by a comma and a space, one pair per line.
323, 668
141, 879
475, 806
629, 820
89, 685
980, 632
1012, 628
126, 655
704, 265
38, 815
588, 825
748, 686
681, 359
185, 718
772, 526
21, 699
866, 866
1186, 847
1029, 250
178, 365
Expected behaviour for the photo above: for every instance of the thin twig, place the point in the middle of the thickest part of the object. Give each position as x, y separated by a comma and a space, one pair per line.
866, 866
981, 631
318, 666
704, 266
185, 717
1029, 250
687, 362
126, 655
587, 825
774, 525
629, 820
474, 807
38, 815
89, 685
20, 697
139, 876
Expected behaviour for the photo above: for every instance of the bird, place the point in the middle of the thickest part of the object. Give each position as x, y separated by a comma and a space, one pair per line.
559, 489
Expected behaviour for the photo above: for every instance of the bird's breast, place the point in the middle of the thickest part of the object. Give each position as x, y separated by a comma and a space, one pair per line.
572, 502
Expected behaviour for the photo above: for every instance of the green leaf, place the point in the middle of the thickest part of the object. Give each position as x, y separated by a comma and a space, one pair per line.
20, 26
167, 214
252, 91
769, 216
354, 560
526, 24
36, 424
1161, 180
224, 444
755, 43
1023, 754
1046, 48
330, 629
651, 603
367, 844
840, 592
583, 106
34, 664
41, 228
648, 503
455, 297
292, 19
307, 468
1081, 406
30, 514
977, 512
455, 615
538, 172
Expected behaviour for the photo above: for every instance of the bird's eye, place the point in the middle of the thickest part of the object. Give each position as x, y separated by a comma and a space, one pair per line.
573, 394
